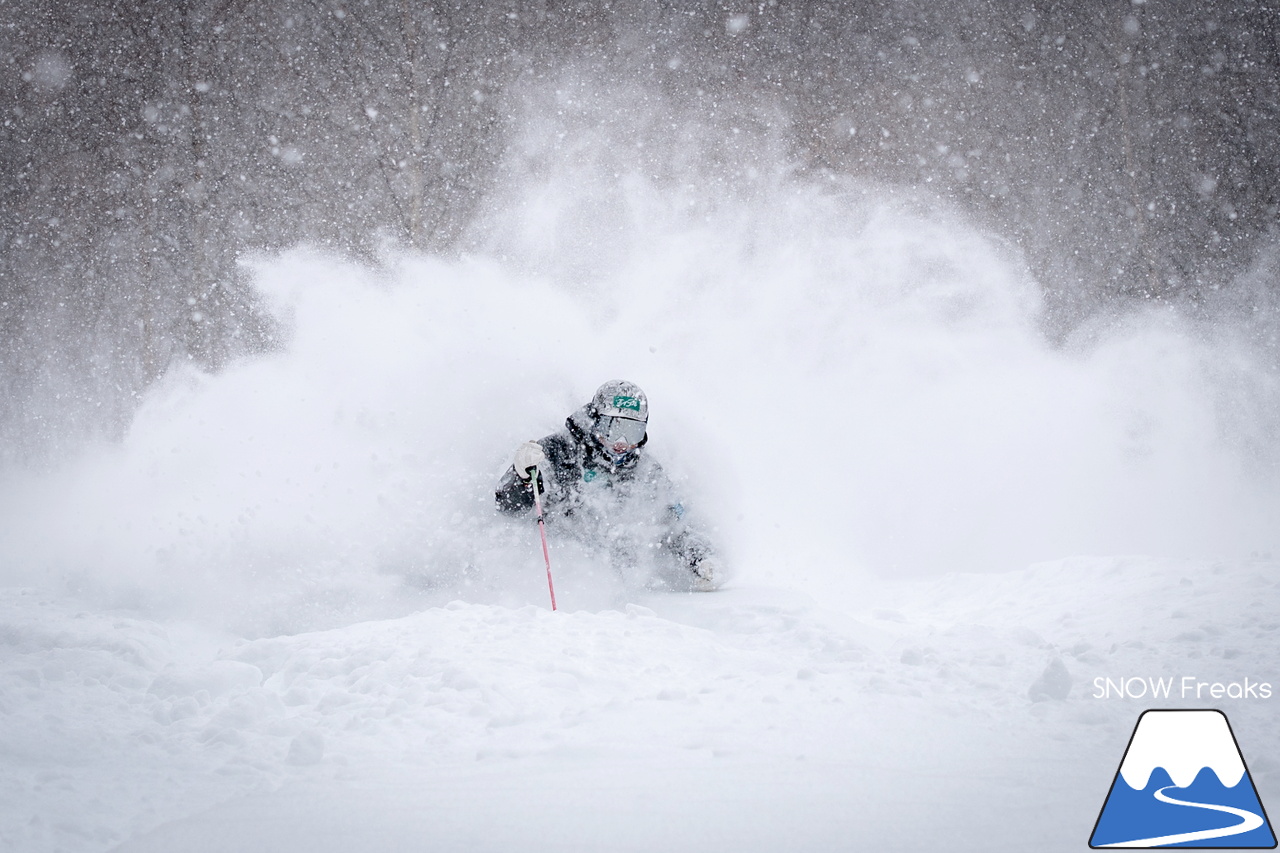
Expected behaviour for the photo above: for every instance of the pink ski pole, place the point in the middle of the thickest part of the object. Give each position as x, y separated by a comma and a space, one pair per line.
542, 529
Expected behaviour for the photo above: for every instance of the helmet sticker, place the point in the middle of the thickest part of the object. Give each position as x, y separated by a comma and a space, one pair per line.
622, 402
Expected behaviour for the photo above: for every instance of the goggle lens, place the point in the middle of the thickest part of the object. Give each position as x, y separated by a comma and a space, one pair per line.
620, 431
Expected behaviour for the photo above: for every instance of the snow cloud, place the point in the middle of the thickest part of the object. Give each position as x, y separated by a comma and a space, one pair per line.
848, 378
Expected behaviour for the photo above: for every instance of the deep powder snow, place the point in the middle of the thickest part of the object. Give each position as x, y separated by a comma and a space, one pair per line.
281, 613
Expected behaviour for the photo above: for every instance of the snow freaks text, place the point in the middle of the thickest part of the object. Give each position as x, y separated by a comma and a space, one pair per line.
1186, 687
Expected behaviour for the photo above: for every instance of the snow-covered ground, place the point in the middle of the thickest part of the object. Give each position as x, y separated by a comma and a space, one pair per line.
755, 718
280, 614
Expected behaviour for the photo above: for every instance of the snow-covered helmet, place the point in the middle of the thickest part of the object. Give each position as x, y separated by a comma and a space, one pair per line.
620, 399
620, 412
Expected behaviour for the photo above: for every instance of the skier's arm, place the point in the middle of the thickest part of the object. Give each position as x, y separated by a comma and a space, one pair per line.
687, 544
514, 494
692, 549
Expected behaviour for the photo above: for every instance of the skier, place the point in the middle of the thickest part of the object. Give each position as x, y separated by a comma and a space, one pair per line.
602, 488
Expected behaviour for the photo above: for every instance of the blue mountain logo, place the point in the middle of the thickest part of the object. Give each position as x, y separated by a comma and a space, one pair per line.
1183, 783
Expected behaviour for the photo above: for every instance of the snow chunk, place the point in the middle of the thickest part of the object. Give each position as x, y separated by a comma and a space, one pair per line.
1053, 683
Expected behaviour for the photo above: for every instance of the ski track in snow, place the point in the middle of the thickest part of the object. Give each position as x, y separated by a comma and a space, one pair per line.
756, 712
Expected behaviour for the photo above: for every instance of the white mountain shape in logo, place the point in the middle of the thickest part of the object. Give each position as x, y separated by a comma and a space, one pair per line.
1183, 743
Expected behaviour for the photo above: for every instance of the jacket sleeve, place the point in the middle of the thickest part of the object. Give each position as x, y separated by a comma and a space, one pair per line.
687, 544
513, 495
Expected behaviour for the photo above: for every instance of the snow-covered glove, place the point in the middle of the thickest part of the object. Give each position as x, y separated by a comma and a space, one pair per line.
529, 455
708, 574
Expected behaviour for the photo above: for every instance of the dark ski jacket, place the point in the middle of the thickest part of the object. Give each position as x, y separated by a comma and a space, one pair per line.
632, 504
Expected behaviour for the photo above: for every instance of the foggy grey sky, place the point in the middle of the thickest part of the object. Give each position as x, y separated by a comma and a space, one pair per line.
1128, 149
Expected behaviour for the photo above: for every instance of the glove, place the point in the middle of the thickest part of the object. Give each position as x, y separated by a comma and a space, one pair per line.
529, 455
708, 574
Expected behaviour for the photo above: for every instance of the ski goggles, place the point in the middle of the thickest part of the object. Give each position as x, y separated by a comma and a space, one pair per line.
612, 432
